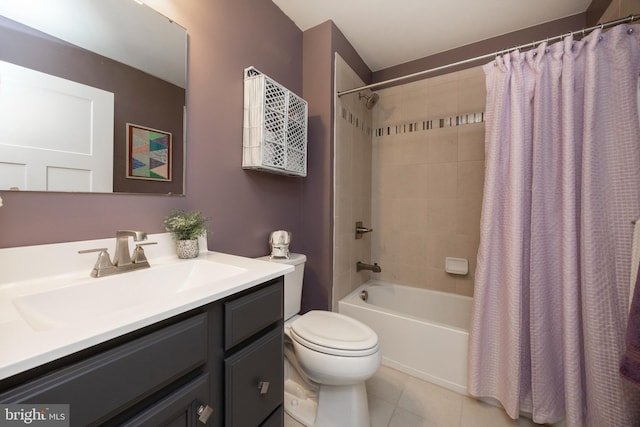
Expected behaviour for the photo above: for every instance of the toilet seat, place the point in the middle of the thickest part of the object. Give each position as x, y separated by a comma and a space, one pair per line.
335, 334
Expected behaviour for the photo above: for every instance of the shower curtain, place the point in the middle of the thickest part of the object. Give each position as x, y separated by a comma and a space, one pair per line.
562, 185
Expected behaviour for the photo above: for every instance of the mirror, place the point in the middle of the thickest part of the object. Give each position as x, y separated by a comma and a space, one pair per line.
92, 97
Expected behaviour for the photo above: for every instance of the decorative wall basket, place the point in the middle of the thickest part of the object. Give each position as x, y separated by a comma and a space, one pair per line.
187, 248
274, 133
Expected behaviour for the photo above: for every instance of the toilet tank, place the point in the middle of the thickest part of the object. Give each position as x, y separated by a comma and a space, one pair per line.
292, 282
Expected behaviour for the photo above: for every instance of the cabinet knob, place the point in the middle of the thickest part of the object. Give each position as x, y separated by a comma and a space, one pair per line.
263, 386
204, 412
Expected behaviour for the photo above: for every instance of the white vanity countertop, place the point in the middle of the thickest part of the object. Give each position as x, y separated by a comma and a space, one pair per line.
24, 272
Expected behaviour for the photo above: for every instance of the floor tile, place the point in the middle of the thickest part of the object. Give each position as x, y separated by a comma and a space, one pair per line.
403, 418
387, 384
436, 405
380, 411
400, 400
480, 414
290, 422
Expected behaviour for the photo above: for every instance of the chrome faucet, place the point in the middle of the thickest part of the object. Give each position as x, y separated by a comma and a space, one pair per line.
362, 266
122, 261
122, 256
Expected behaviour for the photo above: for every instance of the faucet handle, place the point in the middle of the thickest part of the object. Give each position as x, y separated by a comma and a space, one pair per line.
138, 256
103, 263
103, 251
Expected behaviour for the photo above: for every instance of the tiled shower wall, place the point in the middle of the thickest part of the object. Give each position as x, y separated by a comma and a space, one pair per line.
427, 179
352, 184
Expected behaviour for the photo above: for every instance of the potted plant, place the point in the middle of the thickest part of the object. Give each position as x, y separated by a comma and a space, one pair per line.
185, 228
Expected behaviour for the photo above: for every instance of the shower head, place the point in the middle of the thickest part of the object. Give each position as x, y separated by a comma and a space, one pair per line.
371, 100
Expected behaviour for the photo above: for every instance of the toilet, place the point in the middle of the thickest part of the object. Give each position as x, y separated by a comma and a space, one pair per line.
328, 357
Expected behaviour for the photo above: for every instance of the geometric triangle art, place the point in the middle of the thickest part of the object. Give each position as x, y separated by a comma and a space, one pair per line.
148, 153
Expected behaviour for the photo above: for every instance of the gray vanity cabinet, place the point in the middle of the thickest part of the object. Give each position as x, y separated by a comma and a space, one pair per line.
254, 369
162, 369
170, 373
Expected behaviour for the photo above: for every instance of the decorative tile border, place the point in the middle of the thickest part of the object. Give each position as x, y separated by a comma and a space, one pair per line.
355, 121
414, 126
424, 125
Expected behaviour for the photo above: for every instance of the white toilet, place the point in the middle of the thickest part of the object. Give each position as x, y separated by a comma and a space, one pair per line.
328, 358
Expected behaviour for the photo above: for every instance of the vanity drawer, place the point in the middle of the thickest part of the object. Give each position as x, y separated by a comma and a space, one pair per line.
252, 313
245, 371
103, 385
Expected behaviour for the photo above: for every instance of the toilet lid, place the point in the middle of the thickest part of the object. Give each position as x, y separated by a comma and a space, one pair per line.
334, 333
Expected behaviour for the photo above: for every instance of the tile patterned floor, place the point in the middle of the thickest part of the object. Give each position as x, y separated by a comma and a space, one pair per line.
400, 400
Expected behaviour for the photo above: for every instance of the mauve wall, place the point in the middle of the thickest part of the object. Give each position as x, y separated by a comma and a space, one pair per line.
225, 36
317, 216
319, 45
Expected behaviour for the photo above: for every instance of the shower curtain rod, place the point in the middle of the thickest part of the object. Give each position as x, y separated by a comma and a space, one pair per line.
628, 19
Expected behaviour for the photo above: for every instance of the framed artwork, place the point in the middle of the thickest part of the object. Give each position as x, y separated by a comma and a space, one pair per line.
148, 153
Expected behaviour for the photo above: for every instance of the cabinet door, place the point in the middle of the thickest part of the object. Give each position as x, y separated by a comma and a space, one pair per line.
179, 409
254, 381
102, 386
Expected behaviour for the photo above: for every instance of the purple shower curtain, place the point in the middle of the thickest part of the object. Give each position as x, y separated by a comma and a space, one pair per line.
562, 185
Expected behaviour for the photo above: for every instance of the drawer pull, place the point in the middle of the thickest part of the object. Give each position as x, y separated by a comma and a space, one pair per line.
204, 412
263, 386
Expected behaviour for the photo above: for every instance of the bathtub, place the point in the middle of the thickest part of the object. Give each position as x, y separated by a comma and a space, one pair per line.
422, 332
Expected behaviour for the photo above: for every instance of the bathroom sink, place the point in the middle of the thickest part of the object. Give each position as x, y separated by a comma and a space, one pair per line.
94, 298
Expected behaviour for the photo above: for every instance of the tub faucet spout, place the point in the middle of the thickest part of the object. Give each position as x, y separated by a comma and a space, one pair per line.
362, 266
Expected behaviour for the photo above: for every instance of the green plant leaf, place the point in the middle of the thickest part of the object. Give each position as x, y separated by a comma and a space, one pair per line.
185, 225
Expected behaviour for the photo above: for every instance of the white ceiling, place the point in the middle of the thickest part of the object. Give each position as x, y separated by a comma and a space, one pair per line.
391, 32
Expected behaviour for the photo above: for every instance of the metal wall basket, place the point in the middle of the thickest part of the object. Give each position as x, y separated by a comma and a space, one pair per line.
274, 136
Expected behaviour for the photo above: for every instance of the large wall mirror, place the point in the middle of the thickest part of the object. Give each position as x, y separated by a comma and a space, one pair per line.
92, 97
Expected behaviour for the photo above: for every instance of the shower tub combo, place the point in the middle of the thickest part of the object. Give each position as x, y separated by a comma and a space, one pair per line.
421, 332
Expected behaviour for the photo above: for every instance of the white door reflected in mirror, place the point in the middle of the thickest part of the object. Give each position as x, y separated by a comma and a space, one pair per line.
55, 134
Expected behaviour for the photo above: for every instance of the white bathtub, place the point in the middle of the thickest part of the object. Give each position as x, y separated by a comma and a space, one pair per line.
422, 332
